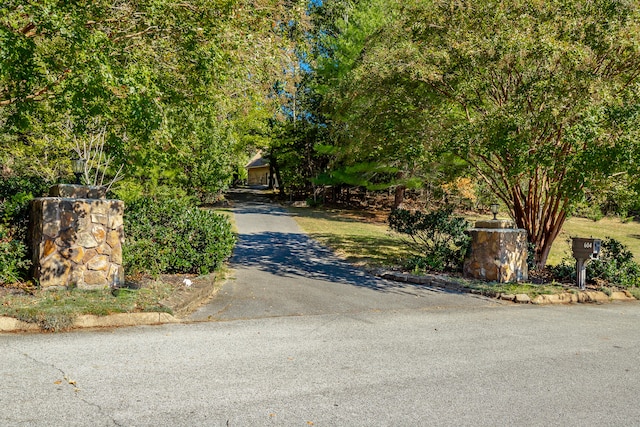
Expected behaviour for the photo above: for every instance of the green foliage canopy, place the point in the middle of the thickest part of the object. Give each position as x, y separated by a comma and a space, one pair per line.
175, 84
372, 140
541, 98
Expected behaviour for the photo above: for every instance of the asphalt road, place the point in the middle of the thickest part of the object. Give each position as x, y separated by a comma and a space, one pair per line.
427, 358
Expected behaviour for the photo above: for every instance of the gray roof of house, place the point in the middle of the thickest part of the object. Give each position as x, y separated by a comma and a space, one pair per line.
257, 162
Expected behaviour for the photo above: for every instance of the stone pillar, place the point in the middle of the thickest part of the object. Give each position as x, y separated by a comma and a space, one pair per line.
498, 252
77, 238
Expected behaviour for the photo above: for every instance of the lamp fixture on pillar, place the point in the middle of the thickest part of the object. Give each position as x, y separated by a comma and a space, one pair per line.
494, 210
78, 168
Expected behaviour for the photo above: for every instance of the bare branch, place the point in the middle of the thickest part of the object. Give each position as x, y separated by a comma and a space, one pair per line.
97, 162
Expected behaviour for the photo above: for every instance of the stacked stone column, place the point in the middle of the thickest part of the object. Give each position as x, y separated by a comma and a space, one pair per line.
498, 252
77, 238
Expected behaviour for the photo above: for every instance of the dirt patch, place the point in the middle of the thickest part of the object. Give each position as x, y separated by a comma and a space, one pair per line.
175, 280
17, 289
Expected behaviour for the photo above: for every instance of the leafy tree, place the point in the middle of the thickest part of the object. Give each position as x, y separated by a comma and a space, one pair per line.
175, 84
378, 139
540, 98
293, 156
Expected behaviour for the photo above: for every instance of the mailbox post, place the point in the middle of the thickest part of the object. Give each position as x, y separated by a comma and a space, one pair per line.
583, 250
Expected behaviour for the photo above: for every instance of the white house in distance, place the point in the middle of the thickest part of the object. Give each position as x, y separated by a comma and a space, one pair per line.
258, 172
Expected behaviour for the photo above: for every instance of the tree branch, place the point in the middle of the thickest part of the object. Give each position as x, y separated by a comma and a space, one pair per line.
39, 92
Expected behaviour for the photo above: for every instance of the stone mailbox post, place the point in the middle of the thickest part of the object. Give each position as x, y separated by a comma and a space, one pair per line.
498, 252
76, 238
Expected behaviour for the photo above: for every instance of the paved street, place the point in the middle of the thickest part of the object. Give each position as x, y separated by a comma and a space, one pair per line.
302, 339
509, 365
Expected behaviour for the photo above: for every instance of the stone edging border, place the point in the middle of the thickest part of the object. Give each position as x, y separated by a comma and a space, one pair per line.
10, 324
181, 303
184, 301
442, 281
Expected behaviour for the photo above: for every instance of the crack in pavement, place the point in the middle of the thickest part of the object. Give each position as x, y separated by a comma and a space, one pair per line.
67, 379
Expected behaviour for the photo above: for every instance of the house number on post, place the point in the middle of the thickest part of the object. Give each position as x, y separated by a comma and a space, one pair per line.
583, 250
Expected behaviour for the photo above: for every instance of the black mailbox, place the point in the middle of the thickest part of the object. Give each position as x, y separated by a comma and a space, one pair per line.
585, 248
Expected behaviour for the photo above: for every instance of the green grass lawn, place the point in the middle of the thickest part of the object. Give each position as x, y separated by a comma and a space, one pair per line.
359, 238
365, 239
627, 233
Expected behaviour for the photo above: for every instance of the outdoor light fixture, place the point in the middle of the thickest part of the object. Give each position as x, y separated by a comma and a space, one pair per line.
78, 168
494, 210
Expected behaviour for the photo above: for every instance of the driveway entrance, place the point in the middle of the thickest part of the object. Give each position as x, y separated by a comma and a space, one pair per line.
280, 271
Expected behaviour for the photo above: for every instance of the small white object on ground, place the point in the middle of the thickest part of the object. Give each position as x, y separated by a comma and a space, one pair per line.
187, 282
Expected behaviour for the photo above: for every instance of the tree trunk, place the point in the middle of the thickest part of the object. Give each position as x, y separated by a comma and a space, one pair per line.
272, 173
273, 165
398, 196
542, 221
543, 246
279, 179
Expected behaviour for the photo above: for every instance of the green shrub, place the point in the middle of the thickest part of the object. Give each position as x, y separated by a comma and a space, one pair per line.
531, 256
564, 272
614, 265
35, 185
172, 236
439, 238
14, 263
313, 203
15, 194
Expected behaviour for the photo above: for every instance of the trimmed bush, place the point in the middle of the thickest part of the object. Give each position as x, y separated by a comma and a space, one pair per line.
439, 238
172, 236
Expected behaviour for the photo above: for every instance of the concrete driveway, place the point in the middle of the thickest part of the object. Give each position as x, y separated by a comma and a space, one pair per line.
280, 271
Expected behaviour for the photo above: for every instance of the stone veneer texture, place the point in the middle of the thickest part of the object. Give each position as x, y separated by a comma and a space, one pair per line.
497, 255
77, 242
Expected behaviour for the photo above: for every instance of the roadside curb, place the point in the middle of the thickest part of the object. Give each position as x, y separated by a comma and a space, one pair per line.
123, 319
437, 280
187, 299
10, 324
180, 303
569, 297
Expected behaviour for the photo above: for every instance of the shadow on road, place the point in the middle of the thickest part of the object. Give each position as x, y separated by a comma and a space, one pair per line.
293, 254
259, 208
296, 254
